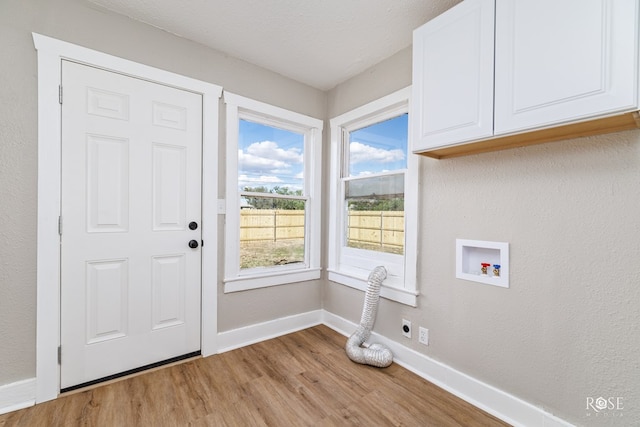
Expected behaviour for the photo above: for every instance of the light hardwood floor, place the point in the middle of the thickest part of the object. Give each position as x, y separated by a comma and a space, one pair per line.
300, 379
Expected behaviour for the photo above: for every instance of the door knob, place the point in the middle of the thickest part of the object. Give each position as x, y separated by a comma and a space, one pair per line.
193, 225
193, 244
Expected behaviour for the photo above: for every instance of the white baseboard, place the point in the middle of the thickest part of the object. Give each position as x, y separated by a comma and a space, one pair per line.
508, 408
252, 334
18, 395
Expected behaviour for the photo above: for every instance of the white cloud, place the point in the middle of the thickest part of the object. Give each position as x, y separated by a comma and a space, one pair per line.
268, 155
252, 162
265, 163
360, 153
263, 179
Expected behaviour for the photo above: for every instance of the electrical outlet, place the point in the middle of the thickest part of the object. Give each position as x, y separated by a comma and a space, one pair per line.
423, 336
406, 328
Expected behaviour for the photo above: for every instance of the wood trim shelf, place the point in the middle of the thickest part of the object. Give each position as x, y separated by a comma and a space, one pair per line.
620, 122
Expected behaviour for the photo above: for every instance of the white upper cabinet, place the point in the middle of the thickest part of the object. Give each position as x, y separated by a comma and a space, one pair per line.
453, 76
561, 61
557, 64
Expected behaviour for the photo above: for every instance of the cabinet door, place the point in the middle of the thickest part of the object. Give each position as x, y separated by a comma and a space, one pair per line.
452, 97
560, 61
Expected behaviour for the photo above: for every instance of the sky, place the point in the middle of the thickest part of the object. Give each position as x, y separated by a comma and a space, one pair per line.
269, 156
379, 148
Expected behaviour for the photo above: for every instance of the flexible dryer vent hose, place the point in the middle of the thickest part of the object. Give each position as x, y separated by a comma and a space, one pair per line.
375, 354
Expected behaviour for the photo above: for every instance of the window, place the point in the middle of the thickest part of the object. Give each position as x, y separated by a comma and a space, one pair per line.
374, 197
272, 197
373, 186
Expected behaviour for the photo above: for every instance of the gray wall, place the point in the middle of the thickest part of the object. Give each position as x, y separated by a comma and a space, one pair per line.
86, 25
568, 327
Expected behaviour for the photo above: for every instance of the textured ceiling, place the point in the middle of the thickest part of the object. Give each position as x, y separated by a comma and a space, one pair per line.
318, 42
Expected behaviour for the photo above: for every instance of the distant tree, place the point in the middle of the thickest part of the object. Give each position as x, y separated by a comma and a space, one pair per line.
274, 203
261, 189
394, 204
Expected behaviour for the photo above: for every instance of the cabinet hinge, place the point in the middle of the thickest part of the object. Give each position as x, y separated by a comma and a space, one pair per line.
60, 225
60, 94
59, 355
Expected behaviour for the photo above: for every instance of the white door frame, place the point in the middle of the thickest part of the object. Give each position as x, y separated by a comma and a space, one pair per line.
50, 54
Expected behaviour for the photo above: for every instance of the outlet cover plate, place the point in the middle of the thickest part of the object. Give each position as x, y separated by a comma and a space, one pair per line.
423, 336
406, 323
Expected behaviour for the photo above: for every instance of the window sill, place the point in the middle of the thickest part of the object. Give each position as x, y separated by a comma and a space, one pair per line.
264, 280
389, 292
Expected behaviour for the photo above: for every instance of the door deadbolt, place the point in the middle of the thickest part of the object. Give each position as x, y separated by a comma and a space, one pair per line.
193, 225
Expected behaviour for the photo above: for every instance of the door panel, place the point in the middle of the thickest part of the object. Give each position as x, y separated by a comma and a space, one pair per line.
107, 184
168, 287
561, 61
131, 182
453, 76
169, 187
107, 302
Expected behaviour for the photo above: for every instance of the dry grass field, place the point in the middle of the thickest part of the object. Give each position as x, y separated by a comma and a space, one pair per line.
265, 253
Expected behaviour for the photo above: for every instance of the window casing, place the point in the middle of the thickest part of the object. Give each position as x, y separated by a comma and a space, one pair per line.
278, 184
397, 184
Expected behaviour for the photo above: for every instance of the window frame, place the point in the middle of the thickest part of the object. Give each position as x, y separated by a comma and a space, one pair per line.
350, 266
235, 278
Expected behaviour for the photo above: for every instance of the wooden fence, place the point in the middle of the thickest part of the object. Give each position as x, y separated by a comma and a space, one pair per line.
378, 230
271, 224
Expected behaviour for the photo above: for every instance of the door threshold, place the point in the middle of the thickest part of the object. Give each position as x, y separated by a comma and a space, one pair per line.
130, 373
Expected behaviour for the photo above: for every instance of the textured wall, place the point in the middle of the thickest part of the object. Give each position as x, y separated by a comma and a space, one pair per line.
571, 317
18, 178
568, 328
86, 25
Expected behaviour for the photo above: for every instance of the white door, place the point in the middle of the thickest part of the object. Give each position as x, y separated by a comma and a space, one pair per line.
559, 61
131, 189
452, 97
